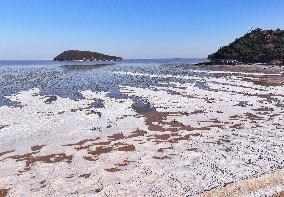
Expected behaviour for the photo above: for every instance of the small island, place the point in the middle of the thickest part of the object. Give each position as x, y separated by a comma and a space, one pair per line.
257, 46
76, 55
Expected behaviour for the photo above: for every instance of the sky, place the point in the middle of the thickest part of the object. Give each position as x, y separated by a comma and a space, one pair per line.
41, 29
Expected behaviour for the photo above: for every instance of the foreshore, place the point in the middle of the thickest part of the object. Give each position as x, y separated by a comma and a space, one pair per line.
247, 68
258, 74
141, 129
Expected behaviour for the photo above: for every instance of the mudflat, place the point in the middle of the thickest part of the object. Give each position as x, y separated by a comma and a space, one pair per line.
169, 130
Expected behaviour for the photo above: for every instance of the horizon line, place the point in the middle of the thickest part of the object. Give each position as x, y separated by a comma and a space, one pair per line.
122, 60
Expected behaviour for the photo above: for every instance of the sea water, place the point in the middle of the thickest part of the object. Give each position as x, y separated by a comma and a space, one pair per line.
67, 78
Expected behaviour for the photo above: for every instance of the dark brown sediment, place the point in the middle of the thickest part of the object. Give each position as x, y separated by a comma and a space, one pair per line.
126, 148
6, 152
87, 175
30, 159
163, 157
90, 158
242, 68
100, 150
267, 80
123, 163
137, 133
116, 136
160, 117
4, 192
115, 169
80, 143
280, 194
37, 147
163, 149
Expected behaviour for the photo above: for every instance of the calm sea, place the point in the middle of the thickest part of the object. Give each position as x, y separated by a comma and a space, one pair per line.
66, 78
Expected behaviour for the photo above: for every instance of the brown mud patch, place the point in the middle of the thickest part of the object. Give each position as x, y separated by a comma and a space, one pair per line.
252, 117
102, 143
80, 143
157, 122
123, 163
170, 138
241, 68
281, 194
4, 192
43, 184
116, 136
126, 148
215, 120
87, 175
162, 137
267, 80
115, 169
30, 160
138, 133
192, 149
263, 109
70, 176
37, 147
107, 149
198, 112
161, 150
100, 150
181, 138
163, 157
6, 152
89, 158
235, 117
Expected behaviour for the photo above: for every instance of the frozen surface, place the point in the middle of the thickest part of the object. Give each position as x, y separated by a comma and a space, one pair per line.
180, 135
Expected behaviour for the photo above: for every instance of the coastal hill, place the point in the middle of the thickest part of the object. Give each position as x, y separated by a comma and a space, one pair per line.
76, 55
257, 46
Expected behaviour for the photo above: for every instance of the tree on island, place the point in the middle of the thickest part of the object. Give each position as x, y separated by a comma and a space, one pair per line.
76, 55
257, 46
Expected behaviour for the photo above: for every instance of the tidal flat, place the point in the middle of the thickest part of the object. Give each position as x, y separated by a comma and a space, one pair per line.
141, 129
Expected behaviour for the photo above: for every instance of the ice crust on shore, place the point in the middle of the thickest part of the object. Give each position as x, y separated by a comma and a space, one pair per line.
196, 140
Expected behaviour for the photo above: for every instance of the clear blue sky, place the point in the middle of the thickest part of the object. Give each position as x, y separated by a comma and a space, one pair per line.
40, 29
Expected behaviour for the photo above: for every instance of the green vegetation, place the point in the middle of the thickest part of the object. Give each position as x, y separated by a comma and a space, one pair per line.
76, 55
258, 46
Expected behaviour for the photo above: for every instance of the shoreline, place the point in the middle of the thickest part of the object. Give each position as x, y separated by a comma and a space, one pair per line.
272, 75
271, 69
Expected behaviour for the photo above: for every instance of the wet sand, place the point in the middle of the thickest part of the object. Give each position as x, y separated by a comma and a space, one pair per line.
267, 69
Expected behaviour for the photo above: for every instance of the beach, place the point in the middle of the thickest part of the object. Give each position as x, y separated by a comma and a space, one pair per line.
142, 129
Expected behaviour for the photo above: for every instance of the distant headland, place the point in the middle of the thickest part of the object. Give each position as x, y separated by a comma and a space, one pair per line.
257, 46
76, 55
